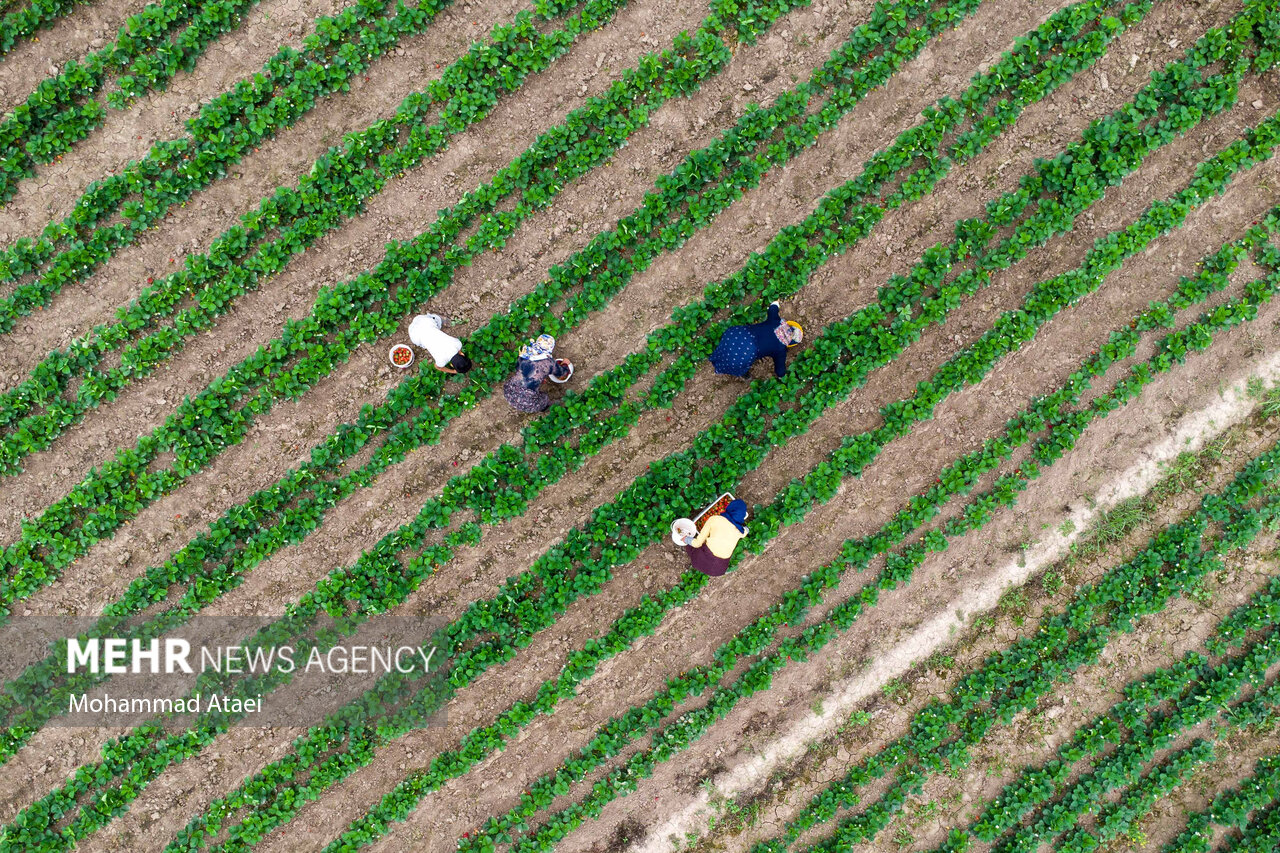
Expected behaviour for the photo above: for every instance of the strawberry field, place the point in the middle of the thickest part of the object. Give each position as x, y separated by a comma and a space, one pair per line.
1011, 580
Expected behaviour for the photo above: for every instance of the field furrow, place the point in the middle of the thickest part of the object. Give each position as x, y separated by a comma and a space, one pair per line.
1007, 581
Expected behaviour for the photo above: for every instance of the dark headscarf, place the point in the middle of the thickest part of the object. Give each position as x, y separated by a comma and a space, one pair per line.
736, 512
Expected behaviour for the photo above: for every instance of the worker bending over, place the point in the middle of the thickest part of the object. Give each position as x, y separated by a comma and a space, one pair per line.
711, 549
523, 389
742, 346
445, 350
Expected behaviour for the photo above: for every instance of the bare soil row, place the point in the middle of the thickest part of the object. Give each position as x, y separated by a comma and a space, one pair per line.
1183, 626
168, 803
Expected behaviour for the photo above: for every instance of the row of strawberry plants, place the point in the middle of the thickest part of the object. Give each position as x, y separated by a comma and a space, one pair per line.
1138, 733
1261, 835
1014, 680
1232, 808
1209, 700
150, 47
592, 405
348, 314
1262, 610
1087, 793
865, 826
819, 486
1046, 413
1118, 818
395, 582
618, 732
116, 211
362, 573
1036, 785
20, 24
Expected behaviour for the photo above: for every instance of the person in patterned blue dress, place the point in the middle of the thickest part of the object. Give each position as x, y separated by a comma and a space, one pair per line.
742, 346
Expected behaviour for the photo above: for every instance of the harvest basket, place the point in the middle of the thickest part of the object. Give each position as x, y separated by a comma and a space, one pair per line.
717, 507
567, 363
682, 529
401, 356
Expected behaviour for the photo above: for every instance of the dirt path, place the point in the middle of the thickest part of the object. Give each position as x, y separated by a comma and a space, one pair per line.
397, 213
281, 579
981, 595
71, 37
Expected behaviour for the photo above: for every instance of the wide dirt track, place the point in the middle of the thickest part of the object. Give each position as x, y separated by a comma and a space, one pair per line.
1168, 94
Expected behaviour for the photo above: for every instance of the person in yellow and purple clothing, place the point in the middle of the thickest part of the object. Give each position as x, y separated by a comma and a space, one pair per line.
711, 549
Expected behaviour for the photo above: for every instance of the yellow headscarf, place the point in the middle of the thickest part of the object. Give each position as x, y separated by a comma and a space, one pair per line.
796, 334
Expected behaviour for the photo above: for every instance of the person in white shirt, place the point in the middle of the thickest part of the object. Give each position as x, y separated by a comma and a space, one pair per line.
445, 350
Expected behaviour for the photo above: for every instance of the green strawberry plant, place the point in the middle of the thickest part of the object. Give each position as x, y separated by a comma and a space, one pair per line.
1254, 799
467, 668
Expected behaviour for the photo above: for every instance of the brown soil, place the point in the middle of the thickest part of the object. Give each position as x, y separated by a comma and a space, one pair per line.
285, 436
1029, 740
38, 57
129, 134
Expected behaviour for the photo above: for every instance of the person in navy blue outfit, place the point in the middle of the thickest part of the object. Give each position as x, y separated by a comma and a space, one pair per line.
742, 346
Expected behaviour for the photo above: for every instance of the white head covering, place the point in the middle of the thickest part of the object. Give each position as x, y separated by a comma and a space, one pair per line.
539, 348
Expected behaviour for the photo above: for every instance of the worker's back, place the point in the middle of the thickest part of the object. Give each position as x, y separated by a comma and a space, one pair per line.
741, 346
